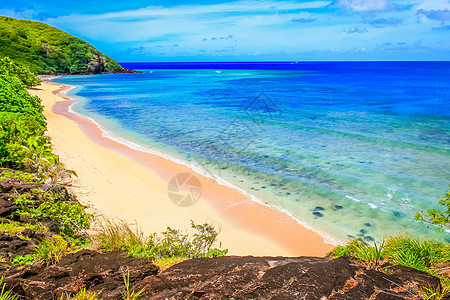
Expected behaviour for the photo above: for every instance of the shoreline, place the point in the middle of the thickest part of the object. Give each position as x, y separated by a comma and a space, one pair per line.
247, 227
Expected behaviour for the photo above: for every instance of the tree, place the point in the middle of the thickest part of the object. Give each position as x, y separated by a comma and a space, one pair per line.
437, 217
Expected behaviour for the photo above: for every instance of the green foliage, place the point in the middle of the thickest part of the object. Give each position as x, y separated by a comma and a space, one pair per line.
171, 243
23, 260
20, 176
46, 50
114, 236
71, 218
14, 227
8, 67
14, 98
416, 253
371, 256
402, 250
22, 124
438, 217
6, 294
24, 201
50, 251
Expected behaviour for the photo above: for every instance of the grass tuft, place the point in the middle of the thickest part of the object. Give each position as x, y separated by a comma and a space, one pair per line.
50, 251
6, 294
82, 294
129, 293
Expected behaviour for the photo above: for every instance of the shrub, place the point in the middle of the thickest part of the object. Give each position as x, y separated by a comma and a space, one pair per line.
22, 123
171, 243
8, 67
119, 236
71, 218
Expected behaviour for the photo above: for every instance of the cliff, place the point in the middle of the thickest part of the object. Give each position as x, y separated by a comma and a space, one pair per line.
47, 50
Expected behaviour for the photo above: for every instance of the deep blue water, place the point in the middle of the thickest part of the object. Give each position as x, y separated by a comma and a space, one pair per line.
352, 149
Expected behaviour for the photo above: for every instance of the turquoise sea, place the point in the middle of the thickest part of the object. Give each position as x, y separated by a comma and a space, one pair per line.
350, 149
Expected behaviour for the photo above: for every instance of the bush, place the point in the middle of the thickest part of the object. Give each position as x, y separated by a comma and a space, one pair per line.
22, 123
23, 74
171, 243
71, 218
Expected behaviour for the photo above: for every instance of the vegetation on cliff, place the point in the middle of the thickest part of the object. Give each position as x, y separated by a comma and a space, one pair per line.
47, 50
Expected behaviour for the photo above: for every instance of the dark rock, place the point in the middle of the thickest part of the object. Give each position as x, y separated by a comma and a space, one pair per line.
12, 246
228, 277
99, 272
28, 233
369, 238
317, 214
6, 208
274, 278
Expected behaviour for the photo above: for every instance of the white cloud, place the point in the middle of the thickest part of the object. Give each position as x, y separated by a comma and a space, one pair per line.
364, 5
184, 21
434, 4
230, 7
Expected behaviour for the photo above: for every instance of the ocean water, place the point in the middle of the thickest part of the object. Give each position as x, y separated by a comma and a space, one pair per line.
350, 149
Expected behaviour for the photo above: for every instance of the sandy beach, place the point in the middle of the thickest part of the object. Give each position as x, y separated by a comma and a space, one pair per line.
122, 183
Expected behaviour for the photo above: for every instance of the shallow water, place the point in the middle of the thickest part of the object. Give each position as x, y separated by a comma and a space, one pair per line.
352, 149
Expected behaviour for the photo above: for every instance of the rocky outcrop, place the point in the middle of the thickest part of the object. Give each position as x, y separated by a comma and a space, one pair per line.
280, 278
88, 269
228, 277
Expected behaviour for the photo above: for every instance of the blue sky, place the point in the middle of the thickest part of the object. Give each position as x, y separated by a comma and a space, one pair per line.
248, 30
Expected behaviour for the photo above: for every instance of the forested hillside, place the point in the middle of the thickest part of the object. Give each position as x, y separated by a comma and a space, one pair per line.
47, 50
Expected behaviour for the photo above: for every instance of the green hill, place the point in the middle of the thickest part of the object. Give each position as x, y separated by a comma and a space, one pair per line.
48, 50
